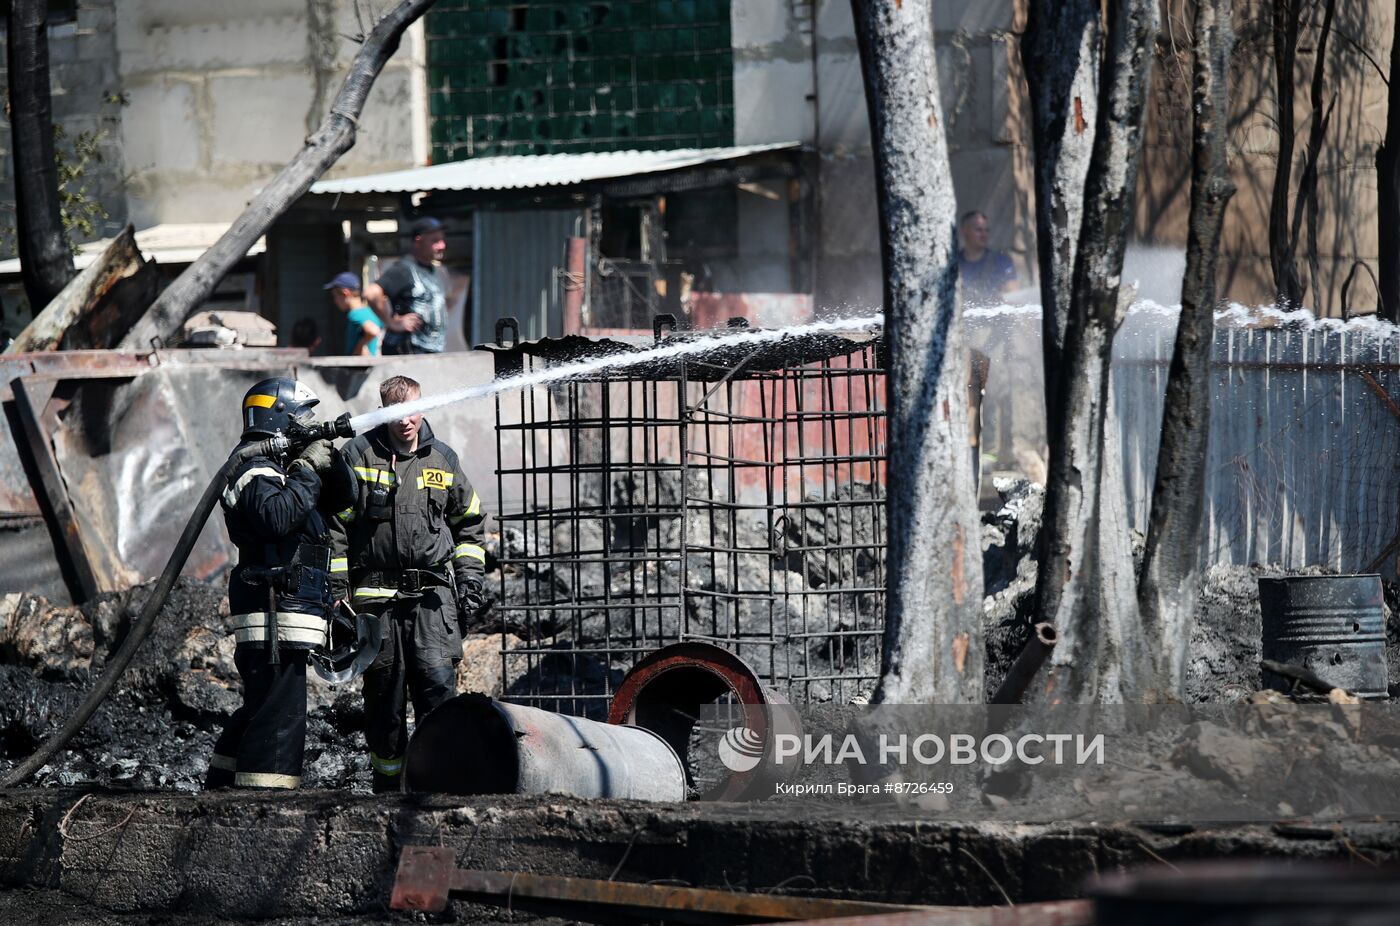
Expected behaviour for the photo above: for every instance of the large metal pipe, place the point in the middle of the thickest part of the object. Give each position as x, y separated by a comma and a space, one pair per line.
1027, 664
575, 283
478, 745
692, 686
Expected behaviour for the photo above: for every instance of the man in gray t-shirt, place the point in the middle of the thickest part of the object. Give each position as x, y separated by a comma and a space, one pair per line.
411, 299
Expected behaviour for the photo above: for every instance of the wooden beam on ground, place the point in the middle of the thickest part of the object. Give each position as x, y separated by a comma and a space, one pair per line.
1053, 913
427, 875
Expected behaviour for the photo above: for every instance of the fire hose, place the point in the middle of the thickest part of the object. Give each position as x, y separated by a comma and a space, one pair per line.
145, 621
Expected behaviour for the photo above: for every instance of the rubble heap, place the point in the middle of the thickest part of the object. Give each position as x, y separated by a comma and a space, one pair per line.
158, 727
1226, 637
157, 730
756, 598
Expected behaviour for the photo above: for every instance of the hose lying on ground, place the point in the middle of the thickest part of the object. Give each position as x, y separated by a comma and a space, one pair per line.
141, 628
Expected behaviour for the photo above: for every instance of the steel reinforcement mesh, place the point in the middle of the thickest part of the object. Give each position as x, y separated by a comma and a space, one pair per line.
713, 501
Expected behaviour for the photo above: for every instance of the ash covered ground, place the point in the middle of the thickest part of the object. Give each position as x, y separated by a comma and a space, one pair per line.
158, 728
1226, 638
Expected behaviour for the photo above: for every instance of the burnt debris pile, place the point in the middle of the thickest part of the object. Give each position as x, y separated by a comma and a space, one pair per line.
1226, 637
798, 596
157, 730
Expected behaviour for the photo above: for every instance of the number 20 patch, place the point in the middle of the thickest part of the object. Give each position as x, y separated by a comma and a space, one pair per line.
434, 479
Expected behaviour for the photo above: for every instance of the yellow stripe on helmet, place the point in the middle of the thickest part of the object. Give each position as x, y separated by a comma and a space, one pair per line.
260, 401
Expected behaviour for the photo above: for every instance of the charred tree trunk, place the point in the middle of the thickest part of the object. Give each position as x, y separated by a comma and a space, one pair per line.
1170, 580
1306, 202
933, 629
1388, 189
1285, 229
44, 253
1282, 258
1086, 556
334, 137
1061, 50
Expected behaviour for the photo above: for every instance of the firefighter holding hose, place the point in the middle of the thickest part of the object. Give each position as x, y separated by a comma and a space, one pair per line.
409, 548
278, 510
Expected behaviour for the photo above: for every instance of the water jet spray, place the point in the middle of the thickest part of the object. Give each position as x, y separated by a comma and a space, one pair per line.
686, 347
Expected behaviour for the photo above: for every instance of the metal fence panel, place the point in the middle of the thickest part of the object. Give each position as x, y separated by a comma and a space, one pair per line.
1304, 437
515, 262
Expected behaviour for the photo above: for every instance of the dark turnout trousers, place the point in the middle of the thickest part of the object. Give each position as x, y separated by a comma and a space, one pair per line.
261, 747
418, 662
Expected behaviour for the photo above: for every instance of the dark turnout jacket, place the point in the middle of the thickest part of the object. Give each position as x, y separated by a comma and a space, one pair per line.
436, 521
272, 511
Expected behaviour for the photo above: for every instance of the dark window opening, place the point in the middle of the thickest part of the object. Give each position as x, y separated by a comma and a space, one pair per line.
621, 237
702, 229
625, 292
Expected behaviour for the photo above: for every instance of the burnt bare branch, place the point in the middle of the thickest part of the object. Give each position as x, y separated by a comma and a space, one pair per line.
334, 137
44, 252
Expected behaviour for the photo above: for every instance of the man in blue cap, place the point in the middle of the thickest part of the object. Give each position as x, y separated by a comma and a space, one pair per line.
410, 296
362, 326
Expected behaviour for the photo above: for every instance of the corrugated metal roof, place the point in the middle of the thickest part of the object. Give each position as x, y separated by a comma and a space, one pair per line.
515, 172
166, 244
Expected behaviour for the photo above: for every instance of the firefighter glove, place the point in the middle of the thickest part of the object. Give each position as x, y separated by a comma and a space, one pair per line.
471, 595
317, 455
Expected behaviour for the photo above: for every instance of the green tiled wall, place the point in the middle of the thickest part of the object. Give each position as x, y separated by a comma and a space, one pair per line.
545, 77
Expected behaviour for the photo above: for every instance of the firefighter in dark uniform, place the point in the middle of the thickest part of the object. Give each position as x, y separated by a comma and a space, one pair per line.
278, 512
410, 548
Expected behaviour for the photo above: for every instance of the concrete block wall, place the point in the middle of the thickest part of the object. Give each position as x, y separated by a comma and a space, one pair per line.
86, 88
774, 77
221, 96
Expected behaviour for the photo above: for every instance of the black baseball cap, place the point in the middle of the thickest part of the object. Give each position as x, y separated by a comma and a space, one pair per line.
424, 225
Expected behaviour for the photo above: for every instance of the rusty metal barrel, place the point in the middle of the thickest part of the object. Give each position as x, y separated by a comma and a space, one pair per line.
1333, 626
668, 692
478, 745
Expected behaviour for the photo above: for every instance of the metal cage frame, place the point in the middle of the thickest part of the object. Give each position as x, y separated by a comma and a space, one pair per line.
736, 498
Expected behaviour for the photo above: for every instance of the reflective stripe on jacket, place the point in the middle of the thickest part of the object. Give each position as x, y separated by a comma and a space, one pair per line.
291, 628
437, 517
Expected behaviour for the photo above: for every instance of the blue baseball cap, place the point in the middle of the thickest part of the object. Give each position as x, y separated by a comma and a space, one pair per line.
344, 280
424, 225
